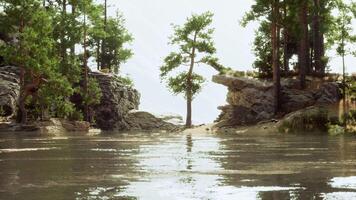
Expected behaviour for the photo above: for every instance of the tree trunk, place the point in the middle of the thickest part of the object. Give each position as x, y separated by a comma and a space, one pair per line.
98, 55
104, 64
286, 40
63, 22
318, 40
85, 84
74, 10
344, 77
275, 54
303, 57
22, 113
189, 92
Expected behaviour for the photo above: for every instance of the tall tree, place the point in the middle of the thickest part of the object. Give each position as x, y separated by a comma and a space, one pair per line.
103, 46
275, 35
342, 37
303, 55
33, 52
196, 46
85, 61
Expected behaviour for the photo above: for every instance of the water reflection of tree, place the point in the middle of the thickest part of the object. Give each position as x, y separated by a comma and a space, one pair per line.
189, 151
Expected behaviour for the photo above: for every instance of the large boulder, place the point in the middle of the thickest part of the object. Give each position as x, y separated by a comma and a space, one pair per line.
9, 90
310, 119
141, 120
117, 100
251, 101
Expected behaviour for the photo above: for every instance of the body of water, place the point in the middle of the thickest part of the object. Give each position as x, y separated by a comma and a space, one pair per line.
178, 166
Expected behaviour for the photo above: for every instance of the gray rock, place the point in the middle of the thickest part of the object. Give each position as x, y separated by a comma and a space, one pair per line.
310, 119
140, 120
9, 90
251, 101
116, 102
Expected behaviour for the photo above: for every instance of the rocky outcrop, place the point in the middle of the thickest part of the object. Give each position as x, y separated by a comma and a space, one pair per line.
140, 120
115, 104
9, 91
52, 126
251, 101
114, 112
118, 108
310, 119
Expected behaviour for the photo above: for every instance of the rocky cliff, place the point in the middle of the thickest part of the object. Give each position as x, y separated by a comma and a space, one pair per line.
115, 104
117, 109
9, 91
251, 101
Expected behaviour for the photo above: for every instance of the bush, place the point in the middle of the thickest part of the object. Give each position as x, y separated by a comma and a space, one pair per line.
76, 116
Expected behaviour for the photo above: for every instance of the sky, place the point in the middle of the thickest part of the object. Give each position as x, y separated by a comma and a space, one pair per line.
149, 21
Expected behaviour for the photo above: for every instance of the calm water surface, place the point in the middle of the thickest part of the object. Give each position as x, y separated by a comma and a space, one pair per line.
177, 166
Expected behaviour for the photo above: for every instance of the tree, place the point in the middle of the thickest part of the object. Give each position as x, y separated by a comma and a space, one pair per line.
115, 53
33, 52
269, 11
343, 38
275, 35
194, 40
303, 55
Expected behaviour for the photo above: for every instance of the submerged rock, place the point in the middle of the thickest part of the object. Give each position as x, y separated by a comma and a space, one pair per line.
251, 101
9, 90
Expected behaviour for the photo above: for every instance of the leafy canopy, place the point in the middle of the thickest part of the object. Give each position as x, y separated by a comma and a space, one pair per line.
195, 46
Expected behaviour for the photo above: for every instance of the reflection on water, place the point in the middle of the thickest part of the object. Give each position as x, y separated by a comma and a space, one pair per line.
167, 166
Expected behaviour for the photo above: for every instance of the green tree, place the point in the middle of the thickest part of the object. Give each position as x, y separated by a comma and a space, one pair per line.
33, 52
342, 37
269, 12
116, 38
196, 46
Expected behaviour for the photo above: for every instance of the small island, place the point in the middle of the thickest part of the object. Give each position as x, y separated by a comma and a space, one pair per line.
71, 125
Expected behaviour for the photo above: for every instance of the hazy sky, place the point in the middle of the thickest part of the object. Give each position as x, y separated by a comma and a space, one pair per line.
149, 21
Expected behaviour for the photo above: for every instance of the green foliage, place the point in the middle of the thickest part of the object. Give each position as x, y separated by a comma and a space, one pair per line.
196, 47
93, 95
76, 116
178, 84
127, 81
116, 37
262, 48
341, 30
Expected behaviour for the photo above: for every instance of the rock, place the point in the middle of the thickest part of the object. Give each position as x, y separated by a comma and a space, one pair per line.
311, 119
56, 126
118, 108
116, 102
172, 118
140, 120
75, 126
251, 101
9, 90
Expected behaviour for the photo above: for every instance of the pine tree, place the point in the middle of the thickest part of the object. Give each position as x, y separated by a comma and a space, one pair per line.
33, 52
342, 37
194, 40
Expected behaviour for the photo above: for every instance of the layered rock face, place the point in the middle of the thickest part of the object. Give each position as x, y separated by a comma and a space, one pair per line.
118, 108
251, 101
116, 102
9, 90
